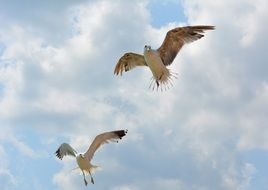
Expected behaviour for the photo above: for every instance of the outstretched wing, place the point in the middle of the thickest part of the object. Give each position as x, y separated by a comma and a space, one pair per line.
65, 149
102, 139
128, 61
176, 38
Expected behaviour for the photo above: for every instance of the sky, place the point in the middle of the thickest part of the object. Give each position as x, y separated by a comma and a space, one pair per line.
209, 131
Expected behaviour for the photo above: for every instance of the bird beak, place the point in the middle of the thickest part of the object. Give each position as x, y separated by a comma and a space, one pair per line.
147, 48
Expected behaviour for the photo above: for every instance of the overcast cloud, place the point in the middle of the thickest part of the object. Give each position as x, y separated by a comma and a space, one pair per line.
209, 131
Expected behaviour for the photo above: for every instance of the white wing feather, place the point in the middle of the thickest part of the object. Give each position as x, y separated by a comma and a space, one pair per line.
64, 150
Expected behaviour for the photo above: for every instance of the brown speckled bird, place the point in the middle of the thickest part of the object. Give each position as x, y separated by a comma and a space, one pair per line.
158, 60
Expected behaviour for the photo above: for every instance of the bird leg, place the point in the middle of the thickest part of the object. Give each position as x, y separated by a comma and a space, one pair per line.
92, 180
84, 178
157, 83
85, 182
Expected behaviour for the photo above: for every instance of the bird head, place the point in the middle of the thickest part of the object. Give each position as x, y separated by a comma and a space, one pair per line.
147, 48
81, 155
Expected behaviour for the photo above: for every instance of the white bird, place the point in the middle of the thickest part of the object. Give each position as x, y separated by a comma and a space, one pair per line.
157, 60
84, 159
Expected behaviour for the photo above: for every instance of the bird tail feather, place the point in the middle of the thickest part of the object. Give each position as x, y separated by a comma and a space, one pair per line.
93, 169
76, 170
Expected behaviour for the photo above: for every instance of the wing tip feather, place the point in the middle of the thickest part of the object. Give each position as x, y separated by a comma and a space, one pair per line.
204, 27
120, 66
121, 133
58, 154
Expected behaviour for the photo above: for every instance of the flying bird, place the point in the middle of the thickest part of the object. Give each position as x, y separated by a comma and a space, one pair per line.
158, 60
84, 159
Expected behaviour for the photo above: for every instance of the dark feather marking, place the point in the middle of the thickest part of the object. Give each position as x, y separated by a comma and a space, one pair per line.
120, 133
58, 154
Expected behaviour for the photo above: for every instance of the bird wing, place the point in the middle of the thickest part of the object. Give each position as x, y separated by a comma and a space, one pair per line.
128, 61
65, 149
102, 139
176, 38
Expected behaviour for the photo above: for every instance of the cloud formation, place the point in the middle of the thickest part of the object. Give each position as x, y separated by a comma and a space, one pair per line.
194, 136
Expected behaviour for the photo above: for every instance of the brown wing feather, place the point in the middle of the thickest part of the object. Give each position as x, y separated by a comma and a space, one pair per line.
128, 61
176, 38
102, 139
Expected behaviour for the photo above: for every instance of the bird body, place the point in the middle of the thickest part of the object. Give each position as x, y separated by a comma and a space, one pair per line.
84, 164
154, 62
158, 60
84, 160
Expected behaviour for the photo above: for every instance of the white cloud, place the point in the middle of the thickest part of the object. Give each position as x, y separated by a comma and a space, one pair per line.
168, 184
192, 136
64, 180
124, 187
7, 180
253, 121
4, 161
156, 184
21, 148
